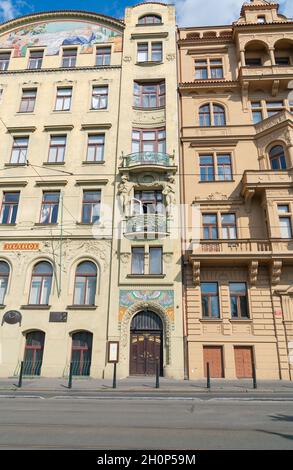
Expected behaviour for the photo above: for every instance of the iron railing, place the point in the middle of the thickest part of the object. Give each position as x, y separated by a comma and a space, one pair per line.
147, 158
147, 225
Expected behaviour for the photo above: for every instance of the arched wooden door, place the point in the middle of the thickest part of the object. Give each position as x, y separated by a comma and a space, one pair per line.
146, 344
81, 354
33, 353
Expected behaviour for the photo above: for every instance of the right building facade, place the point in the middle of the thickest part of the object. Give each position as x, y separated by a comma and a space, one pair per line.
236, 130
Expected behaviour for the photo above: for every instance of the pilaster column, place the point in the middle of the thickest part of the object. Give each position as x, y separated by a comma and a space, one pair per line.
272, 56
242, 58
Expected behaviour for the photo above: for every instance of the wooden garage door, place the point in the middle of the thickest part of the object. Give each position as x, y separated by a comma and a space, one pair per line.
243, 361
214, 356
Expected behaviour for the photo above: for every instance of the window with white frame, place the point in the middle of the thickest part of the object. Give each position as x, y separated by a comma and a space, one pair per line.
285, 220
100, 97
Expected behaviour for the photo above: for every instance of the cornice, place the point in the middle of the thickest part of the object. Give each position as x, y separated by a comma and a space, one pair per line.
208, 84
57, 14
60, 69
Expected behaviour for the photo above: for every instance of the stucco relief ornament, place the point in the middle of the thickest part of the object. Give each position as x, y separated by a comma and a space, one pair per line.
169, 193
124, 190
170, 57
217, 196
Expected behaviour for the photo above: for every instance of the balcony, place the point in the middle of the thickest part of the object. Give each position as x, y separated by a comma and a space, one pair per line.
256, 181
272, 75
146, 227
148, 160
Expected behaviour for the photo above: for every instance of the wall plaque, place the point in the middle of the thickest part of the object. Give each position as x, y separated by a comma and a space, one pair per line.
58, 317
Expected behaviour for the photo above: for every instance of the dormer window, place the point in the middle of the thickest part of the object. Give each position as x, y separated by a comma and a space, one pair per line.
261, 19
150, 19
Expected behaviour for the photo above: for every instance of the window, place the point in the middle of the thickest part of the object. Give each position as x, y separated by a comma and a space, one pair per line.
210, 226
210, 300
4, 60
137, 260
224, 167
157, 51
9, 208
57, 148
222, 171
256, 108
100, 97
149, 95
282, 60
148, 202
150, 19
63, 99
156, 260
142, 52
152, 52
238, 300
149, 140
95, 148
277, 158
28, 101
85, 284
41, 284
274, 107
206, 164
91, 204
285, 221
35, 59
253, 61
33, 353
228, 222
69, 58
261, 19
103, 56
211, 114
19, 150
208, 69
4, 276
49, 208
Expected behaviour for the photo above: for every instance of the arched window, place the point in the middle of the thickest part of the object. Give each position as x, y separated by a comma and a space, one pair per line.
85, 284
150, 19
211, 114
277, 158
4, 276
41, 284
33, 353
81, 353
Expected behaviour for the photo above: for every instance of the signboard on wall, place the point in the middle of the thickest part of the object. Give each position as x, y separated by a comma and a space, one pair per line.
21, 246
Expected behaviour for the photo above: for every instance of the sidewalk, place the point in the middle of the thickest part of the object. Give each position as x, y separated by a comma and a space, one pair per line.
140, 384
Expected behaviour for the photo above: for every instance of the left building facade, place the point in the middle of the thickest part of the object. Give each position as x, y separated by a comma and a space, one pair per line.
60, 90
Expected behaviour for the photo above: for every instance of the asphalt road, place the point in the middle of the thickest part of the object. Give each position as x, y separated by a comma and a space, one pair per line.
150, 423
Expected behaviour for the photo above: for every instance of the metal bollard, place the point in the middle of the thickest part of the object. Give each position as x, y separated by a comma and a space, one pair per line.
208, 376
114, 375
70, 375
157, 375
20, 375
254, 376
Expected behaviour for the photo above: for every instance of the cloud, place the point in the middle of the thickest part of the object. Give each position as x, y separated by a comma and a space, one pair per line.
215, 12
8, 10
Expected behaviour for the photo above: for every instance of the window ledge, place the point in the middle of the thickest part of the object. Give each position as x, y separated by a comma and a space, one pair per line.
146, 276
85, 162
39, 224
35, 307
216, 320
149, 62
88, 224
237, 320
53, 163
81, 307
7, 225
2, 306
218, 181
157, 108
149, 24
15, 164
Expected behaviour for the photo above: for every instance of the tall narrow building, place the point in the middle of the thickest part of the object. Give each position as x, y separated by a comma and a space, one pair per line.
237, 181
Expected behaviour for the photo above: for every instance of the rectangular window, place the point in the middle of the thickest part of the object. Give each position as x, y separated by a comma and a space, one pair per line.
157, 52
152, 140
285, 221
210, 300
49, 208
256, 111
103, 56
100, 97
210, 226
149, 95
95, 148
28, 101
228, 222
35, 59
238, 300
201, 69
9, 208
4, 60
224, 167
156, 260
91, 205
274, 107
19, 150
206, 164
282, 60
216, 68
142, 52
208, 69
63, 99
137, 260
253, 61
57, 148
69, 58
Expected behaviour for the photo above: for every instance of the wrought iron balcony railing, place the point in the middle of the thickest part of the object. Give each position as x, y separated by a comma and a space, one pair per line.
148, 158
147, 226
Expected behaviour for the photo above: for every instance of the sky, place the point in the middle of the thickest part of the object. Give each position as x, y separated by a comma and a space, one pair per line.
189, 12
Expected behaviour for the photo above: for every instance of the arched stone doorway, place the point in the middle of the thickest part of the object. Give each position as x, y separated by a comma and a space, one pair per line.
146, 343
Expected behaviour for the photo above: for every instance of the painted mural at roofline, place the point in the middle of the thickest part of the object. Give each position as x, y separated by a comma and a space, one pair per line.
55, 34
